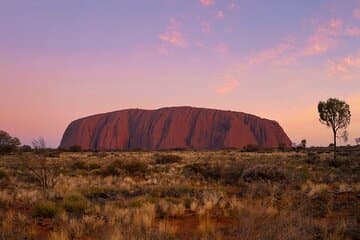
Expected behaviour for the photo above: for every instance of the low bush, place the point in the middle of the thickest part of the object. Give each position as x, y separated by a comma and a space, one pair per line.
25, 148
52, 153
3, 174
251, 148
209, 172
134, 167
166, 158
126, 167
45, 209
335, 163
93, 166
226, 173
318, 205
94, 193
136, 203
312, 158
82, 165
109, 170
173, 191
262, 172
76, 204
79, 165
75, 148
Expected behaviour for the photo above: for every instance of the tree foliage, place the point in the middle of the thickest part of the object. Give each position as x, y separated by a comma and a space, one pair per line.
303, 143
8, 143
335, 114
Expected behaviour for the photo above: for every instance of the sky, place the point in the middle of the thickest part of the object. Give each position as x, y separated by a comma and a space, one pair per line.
62, 60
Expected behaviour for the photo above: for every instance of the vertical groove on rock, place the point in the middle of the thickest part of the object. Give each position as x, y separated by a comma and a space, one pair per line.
193, 122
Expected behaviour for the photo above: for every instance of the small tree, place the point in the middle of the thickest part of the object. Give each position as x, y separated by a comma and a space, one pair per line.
45, 172
8, 143
39, 144
25, 148
303, 143
335, 114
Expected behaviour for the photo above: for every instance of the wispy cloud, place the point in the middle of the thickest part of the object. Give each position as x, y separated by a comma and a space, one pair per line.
356, 13
207, 3
269, 54
205, 27
228, 86
220, 14
222, 48
324, 38
232, 6
352, 32
163, 51
173, 35
346, 68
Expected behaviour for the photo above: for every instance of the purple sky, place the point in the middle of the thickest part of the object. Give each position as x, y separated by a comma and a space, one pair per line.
61, 60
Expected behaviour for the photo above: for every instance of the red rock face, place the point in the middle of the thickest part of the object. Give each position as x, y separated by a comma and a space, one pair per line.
174, 127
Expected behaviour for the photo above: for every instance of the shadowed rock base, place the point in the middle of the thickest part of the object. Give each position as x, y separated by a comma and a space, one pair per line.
173, 127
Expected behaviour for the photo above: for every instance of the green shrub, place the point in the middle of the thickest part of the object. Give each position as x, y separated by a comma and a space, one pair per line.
210, 172
226, 173
25, 148
76, 204
8, 143
79, 165
136, 204
166, 158
251, 148
45, 209
3, 174
128, 167
93, 166
312, 158
263, 173
318, 205
75, 148
100, 192
52, 153
134, 167
173, 191
335, 163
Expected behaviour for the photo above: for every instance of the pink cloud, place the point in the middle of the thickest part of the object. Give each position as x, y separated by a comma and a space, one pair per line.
324, 38
285, 61
201, 45
269, 54
173, 35
352, 32
163, 51
207, 3
205, 27
346, 68
220, 14
318, 45
229, 85
356, 13
222, 48
232, 6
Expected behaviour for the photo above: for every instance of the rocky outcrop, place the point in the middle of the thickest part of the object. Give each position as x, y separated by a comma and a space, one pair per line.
173, 127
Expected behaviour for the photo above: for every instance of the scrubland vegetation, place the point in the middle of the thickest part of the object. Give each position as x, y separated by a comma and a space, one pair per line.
180, 195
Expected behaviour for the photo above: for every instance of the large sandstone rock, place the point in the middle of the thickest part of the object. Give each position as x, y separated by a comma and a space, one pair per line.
174, 127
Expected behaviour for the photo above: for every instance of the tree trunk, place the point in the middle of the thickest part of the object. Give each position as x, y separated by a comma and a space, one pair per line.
334, 144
